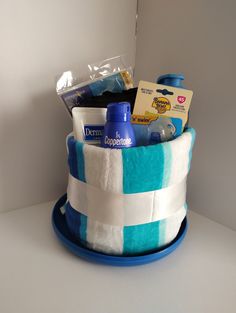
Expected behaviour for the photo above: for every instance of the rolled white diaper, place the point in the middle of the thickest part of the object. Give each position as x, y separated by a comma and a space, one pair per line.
114, 239
133, 170
125, 209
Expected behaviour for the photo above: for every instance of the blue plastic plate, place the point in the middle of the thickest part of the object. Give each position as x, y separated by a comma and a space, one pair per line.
64, 235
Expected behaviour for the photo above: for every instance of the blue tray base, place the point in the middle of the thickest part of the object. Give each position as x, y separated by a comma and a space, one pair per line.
60, 227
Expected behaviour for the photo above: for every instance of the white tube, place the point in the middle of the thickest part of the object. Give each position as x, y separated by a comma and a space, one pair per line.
88, 124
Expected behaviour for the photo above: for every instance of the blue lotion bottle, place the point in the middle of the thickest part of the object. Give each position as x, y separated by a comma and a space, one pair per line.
118, 131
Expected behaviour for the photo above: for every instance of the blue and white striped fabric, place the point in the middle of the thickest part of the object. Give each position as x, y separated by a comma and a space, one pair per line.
126, 240
128, 201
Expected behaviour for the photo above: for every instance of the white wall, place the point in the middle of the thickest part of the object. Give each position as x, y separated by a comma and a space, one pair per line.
198, 39
40, 39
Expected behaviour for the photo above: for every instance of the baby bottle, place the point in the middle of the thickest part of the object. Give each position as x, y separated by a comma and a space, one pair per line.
118, 131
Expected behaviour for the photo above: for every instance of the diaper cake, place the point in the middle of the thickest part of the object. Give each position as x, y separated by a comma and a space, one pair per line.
126, 194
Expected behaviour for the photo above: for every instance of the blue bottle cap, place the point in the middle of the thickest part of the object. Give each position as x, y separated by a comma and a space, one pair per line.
118, 112
155, 138
174, 80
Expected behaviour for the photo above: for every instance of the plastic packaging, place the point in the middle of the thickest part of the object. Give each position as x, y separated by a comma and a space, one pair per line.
174, 80
109, 66
118, 131
109, 75
161, 130
88, 124
160, 112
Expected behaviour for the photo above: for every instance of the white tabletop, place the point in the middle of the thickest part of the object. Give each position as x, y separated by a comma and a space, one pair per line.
38, 275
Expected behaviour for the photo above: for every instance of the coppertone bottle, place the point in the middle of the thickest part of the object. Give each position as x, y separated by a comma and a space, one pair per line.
118, 131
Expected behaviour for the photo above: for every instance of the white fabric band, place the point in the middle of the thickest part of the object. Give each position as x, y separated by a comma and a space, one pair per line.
125, 209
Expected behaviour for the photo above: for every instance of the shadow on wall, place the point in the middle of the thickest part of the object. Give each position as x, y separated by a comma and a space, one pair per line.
33, 162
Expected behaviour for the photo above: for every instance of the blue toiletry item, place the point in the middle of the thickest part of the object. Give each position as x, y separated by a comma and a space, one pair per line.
155, 138
118, 131
161, 130
174, 80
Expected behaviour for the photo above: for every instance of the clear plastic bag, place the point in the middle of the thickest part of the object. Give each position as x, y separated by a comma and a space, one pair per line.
108, 67
108, 75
